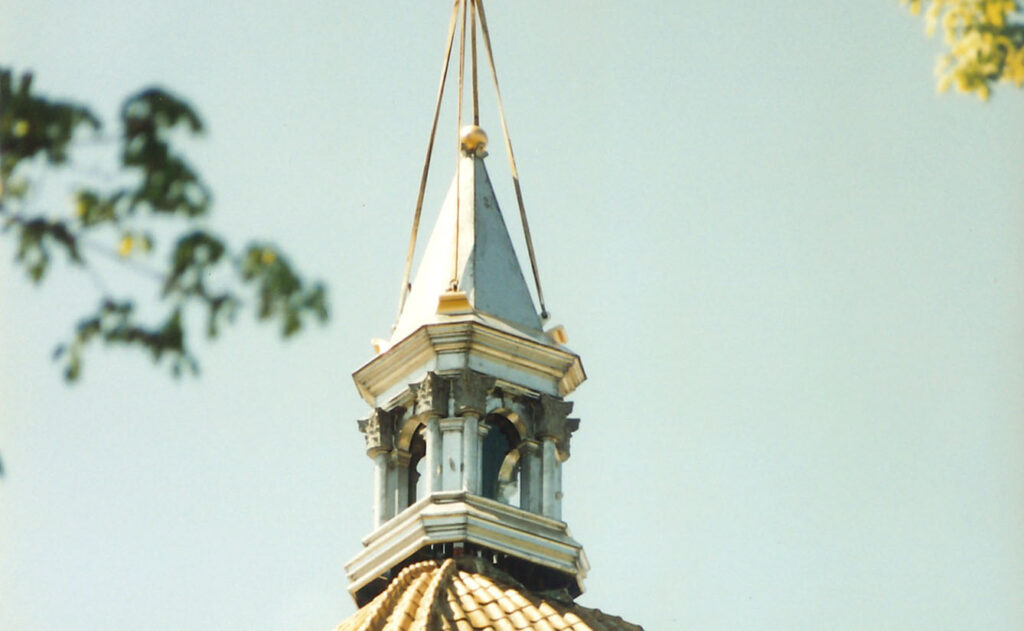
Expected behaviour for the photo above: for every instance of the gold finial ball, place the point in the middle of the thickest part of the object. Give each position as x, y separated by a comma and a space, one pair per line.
473, 139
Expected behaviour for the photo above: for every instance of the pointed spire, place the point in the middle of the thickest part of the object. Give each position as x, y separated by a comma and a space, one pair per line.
469, 266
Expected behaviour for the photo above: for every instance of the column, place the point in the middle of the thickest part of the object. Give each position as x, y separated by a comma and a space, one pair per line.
530, 472
432, 436
391, 508
380, 487
481, 429
549, 457
401, 464
451, 453
471, 453
556, 512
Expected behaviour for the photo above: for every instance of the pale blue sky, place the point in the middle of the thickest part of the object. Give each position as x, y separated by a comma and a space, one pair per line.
793, 272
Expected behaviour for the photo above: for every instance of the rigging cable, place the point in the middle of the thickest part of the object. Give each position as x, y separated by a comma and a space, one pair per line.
475, 9
426, 163
511, 157
454, 284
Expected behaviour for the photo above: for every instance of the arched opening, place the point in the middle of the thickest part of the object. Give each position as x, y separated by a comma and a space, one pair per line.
499, 461
417, 489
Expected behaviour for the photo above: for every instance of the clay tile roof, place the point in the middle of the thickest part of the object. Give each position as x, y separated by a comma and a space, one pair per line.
472, 595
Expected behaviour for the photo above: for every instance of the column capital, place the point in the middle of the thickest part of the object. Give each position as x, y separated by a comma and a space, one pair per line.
430, 396
373, 452
379, 431
451, 424
554, 422
529, 446
470, 389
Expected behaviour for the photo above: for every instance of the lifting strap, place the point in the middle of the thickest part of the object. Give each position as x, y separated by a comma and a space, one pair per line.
426, 163
511, 158
453, 284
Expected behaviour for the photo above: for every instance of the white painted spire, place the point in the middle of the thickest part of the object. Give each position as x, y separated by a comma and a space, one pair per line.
486, 268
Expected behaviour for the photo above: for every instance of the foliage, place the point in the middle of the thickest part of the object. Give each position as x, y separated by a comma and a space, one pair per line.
985, 40
153, 190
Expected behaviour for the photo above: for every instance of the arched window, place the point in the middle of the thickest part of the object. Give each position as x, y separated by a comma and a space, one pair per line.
417, 463
499, 461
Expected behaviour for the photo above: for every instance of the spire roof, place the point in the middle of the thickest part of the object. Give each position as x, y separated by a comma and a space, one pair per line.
470, 245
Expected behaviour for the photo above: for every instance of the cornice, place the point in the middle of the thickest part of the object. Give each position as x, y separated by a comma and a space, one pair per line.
561, 370
454, 516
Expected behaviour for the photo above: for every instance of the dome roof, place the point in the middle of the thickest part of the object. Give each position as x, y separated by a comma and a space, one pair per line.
469, 593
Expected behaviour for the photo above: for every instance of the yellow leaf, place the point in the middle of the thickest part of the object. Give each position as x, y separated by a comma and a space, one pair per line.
126, 245
1013, 71
931, 19
994, 13
268, 257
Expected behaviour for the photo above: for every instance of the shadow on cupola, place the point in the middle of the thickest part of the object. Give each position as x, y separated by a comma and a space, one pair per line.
499, 466
418, 488
499, 461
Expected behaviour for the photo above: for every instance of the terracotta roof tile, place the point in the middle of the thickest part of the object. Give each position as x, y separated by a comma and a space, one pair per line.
507, 605
502, 624
494, 611
543, 625
495, 592
468, 595
557, 622
518, 620
468, 603
572, 618
478, 619
532, 613
468, 580
545, 609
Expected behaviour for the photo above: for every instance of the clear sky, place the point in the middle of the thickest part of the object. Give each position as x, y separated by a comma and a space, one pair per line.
795, 276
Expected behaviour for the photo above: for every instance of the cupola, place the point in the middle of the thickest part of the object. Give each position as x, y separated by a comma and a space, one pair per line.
469, 427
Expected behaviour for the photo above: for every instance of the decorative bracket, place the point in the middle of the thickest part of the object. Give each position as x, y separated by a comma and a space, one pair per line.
379, 430
553, 422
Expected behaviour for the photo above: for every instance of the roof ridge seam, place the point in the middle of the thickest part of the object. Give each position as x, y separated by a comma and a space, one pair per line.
395, 590
431, 606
